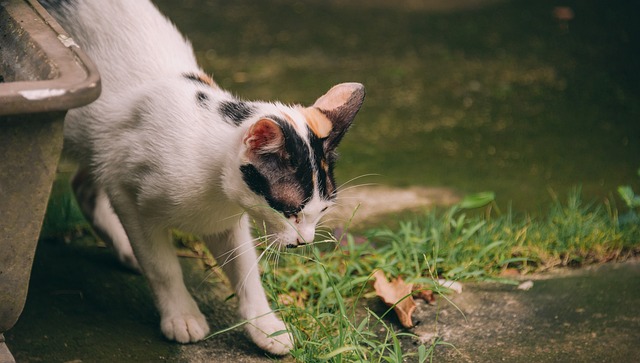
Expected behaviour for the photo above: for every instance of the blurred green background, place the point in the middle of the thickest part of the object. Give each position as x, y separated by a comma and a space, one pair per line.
516, 97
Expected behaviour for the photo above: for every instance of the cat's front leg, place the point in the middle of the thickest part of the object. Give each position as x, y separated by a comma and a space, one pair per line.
234, 250
181, 319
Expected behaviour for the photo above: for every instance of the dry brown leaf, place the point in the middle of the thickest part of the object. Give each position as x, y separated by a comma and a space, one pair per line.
510, 272
396, 293
424, 294
293, 298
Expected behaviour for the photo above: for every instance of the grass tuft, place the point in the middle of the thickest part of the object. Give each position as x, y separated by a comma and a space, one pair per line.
328, 304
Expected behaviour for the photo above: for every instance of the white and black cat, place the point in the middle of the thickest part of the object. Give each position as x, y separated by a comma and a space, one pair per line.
164, 147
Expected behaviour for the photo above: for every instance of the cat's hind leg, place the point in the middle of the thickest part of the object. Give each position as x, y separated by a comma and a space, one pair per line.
95, 206
234, 250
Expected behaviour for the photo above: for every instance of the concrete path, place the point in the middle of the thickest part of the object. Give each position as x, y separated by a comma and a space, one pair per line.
82, 307
588, 315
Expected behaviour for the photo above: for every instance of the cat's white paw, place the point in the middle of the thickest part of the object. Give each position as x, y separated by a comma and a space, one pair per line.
261, 331
187, 328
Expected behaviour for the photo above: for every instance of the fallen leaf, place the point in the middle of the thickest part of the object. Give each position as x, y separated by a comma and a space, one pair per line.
293, 298
396, 293
424, 294
509, 272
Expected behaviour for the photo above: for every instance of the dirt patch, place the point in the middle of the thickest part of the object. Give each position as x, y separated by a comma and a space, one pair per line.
359, 204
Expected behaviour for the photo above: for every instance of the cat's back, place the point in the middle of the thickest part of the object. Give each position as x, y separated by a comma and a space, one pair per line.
129, 40
134, 47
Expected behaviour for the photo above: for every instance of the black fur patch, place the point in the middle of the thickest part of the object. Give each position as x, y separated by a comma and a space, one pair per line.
255, 180
202, 99
275, 183
285, 179
236, 111
298, 154
324, 164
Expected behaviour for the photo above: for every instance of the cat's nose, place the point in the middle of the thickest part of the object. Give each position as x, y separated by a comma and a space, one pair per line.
305, 235
303, 238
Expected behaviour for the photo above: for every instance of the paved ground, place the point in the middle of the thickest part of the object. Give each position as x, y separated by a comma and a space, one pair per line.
82, 307
589, 315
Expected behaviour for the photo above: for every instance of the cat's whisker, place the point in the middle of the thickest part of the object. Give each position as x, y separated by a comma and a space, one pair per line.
276, 256
235, 255
241, 245
255, 266
268, 248
341, 202
323, 230
334, 222
232, 255
275, 259
342, 194
342, 186
330, 223
326, 234
233, 216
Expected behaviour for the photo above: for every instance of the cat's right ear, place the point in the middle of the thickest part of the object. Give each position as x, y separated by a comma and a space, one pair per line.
264, 137
340, 106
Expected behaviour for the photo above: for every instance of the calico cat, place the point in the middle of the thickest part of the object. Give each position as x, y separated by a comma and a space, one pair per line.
164, 147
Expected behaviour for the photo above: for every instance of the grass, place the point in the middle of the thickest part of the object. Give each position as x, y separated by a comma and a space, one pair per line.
63, 219
328, 314
324, 296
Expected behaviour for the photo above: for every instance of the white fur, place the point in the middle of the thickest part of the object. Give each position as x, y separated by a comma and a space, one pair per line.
150, 154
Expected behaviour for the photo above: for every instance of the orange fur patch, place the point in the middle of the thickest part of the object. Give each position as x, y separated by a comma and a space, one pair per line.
317, 121
208, 80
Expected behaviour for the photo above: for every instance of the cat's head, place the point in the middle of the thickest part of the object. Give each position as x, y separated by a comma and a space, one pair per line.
287, 158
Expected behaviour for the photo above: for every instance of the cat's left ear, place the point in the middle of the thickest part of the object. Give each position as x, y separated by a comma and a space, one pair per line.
264, 137
340, 106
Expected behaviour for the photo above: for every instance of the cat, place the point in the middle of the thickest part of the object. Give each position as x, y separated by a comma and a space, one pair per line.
165, 147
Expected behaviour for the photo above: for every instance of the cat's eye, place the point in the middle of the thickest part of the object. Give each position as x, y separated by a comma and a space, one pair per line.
324, 209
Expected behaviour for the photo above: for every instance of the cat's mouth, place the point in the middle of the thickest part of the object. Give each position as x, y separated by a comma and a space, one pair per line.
299, 243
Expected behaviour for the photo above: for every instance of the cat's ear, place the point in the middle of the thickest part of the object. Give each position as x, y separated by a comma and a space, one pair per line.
264, 137
340, 105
